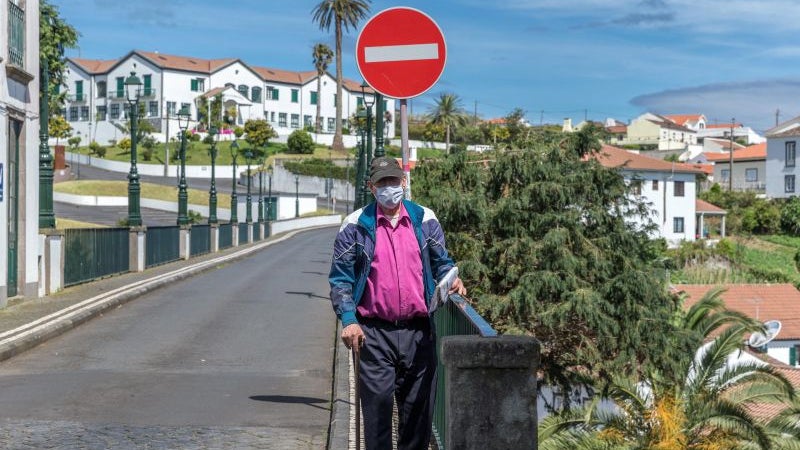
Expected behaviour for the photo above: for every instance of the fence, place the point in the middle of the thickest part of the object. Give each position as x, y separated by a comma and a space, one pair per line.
200, 240
93, 253
256, 232
242, 233
455, 317
225, 235
162, 245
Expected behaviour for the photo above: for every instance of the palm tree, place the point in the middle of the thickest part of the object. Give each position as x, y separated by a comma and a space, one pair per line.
448, 113
706, 408
340, 13
322, 55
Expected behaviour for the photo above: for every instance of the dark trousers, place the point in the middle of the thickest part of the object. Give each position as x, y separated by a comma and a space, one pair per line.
398, 361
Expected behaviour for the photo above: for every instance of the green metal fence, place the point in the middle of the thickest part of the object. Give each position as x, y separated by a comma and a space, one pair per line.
92, 253
242, 233
162, 245
455, 317
256, 232
200, 240
225, 235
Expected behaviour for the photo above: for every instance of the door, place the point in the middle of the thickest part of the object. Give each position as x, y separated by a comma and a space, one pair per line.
15, 128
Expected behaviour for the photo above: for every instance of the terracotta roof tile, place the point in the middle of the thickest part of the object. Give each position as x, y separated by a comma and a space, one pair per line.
753, 152
355, 86
94, 66
705, 207
683, 119
184, 63
617, 129
615, 157
769, 301
670, 125
791, 132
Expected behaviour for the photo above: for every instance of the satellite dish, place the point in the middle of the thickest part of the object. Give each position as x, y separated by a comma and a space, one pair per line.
772, 328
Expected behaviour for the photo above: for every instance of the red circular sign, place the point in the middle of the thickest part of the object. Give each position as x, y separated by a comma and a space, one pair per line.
401, 52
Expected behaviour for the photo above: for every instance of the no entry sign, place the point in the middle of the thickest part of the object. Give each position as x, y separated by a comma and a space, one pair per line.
401, 52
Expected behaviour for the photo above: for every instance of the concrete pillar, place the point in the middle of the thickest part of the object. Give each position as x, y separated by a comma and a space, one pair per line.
249, 232
214, 237
261, 229
702, 217
137, 249
185, 242
723, 226
53, 276
490, 386
235, 235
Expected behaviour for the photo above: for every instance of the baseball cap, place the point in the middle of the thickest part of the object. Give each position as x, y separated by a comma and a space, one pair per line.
384, 167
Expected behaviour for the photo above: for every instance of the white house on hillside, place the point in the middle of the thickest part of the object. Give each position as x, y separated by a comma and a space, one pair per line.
288, 100
659, 132
781, 164
723, 131
694, 122
669, 188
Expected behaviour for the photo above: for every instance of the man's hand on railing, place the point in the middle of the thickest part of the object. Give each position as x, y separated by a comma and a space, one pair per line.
458, 288
352, 335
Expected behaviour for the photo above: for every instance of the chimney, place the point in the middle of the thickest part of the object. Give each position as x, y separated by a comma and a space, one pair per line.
567, 128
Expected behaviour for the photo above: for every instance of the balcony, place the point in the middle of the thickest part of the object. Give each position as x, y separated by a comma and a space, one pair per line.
78, 98
117, 94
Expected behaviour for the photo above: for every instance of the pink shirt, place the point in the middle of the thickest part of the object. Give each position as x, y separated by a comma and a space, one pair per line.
394, 288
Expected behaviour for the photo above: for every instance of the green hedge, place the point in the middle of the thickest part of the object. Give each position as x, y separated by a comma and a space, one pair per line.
322, 168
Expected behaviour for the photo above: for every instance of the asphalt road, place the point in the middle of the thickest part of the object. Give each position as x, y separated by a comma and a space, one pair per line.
237, 357
110, 215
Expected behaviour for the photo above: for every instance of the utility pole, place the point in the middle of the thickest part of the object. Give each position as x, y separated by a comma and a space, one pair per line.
777, 115
730, 167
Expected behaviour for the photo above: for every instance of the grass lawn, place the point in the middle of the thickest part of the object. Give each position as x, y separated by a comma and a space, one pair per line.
149, 190
63, 224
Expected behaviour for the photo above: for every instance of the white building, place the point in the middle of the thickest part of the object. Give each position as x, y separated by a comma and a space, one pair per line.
669, 188
781, 168
723, 131
19, 149
659, 132
694, 122
96, 105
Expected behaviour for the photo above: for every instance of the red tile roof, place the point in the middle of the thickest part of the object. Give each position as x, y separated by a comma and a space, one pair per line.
496, 121
616, 129
702, 206
751, 153
683, 119
759, 301
94, 66
615, 157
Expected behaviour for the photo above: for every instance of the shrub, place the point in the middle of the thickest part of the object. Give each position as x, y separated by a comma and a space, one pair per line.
125, 144
93, 147
300, 142
194, 216
238, 132
147, 154
74, 142
790, 216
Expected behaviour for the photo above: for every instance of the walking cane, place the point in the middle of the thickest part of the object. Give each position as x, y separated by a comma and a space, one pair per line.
356, 362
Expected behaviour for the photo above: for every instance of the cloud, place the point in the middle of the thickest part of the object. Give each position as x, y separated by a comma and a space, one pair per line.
635, 19
752, 102
144, 12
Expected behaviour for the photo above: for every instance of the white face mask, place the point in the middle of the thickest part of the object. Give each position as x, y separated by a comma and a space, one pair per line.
389, 196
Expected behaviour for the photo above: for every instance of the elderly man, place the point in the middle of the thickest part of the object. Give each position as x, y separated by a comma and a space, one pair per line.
387, 259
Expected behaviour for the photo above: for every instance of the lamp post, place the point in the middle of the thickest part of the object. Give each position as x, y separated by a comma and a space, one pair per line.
183, 196
347, 191
297, 196
269, 196
328, 181
212, 192
47, 218
368, 102
358, 197
132, 90
234, 200
261, 189
248, 156
379, 151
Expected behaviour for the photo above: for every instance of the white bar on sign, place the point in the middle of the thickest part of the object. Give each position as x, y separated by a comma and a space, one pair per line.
410, 52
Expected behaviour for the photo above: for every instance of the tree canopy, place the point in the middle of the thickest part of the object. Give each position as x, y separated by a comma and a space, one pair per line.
55, 35
322, 56
259, 132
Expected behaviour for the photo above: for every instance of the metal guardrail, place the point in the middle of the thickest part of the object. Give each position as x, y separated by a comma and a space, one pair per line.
162, 245
91, 253
456, 317
242, 233
225, 235
200, 240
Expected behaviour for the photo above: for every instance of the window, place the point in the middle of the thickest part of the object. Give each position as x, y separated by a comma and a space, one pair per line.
272, 93
295, 120
282, 120
306, 121
102, 113
152, 109
788, 183
101, 89
148, 85
244, 90
636, 187
16, 34
255, 94
751, 175
79, 91
677, 224
125, 108
198, 85
172, 108
188, 107
793, 353
655, 185
272, 117
115, 111
295, 95
386, 105
84, 113
313, 97
725, 174
73, 113
359, 101
679, 189
334, 99
331, 123
790, 153
120, 92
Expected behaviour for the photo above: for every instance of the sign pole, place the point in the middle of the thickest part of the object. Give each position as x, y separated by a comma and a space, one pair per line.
404, 144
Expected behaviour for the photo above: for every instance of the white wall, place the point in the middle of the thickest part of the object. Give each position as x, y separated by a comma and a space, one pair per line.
776, 167
665, 206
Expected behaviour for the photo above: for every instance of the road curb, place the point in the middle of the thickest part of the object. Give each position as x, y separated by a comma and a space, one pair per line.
27, 339
339, 428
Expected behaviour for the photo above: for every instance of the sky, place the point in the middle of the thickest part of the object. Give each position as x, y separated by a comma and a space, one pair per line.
595, 59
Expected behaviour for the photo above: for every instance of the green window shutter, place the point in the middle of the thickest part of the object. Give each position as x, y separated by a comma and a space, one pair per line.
385, 105
294, 96
793, 356
334, 99
359, 101
276, 95
313, 97
79, 90
120, 87
148, 84
194, 84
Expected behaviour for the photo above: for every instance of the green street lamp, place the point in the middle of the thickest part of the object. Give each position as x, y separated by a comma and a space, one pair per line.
248, 156
132, 91
368, 102
234, 199
261, 189
297, 196
269, 196
183, 196
379, 150
360, 163
347, 191
47, 218
212, 192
